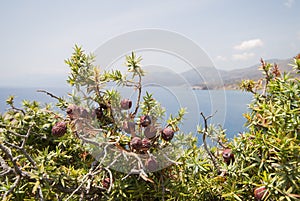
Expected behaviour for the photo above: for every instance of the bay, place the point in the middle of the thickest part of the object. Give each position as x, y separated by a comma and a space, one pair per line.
226, 106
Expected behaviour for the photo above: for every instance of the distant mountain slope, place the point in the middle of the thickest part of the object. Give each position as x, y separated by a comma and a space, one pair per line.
162, 77
231, 79
203, 76
208, 77
234, 77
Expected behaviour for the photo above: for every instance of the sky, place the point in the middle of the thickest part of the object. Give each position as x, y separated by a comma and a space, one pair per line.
37, 36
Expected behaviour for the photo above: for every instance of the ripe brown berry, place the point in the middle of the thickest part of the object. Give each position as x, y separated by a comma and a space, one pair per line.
136, 143
167, 133
259, 193
106, 183
99, 113
146, 144
151, 165
73, 111
103, 106
69, 110
150, 132
59, 129
126, 104
228, 156
145, 120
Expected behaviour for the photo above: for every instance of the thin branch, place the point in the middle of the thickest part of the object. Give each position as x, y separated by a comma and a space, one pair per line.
50, 94
81, 196
11, 126
98, 91
172, 161
40, 193
23, 151
29, 157
139, 161
267, 77
105, 153
221, 144
135, 171
21, 148
17, 109
88, 187
139, 86
16, 134
5, 167
205, 144
8, 154
53, 113
85, 140
110, 179
84, 179
114, 161
94, 189
3, 164
4, 173
130, 85
15, 184
111, 112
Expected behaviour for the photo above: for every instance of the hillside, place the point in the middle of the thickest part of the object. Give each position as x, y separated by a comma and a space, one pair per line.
204, 78
232, 78
216, 79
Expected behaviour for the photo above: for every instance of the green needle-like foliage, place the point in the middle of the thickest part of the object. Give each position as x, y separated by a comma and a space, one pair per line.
47, 154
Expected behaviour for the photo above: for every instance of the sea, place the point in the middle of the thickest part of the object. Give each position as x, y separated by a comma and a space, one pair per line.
225, 106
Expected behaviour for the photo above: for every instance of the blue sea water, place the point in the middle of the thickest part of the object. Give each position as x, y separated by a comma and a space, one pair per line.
227, 107
31, 94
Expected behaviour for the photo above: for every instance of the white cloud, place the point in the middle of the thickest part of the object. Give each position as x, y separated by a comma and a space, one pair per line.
243, 56
221, 58
289, 3
249, 44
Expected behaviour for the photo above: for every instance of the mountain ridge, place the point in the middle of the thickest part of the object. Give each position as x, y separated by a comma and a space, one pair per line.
213, 78
232, 78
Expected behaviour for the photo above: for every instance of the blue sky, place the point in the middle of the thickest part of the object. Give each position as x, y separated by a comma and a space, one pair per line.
36, 36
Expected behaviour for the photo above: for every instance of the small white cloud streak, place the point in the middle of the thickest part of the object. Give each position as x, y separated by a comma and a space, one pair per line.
249, 44
289, 3
244, 56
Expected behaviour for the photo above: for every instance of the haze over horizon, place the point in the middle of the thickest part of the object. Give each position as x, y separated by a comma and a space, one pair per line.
37, 36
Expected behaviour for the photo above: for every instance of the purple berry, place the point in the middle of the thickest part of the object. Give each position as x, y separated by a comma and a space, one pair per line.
145, 120
126, 104
167, 134
73, 111
260, 192
99, 113
228, 156
59, 129
146, 144
106, 182
136, 143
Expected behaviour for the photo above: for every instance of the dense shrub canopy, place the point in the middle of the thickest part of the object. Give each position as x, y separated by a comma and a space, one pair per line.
42, 154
